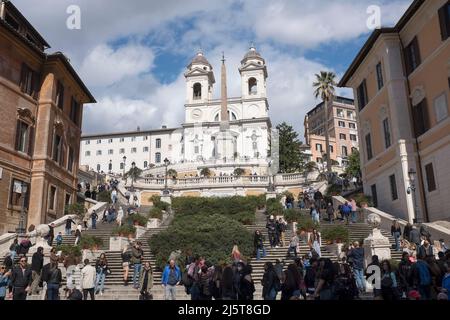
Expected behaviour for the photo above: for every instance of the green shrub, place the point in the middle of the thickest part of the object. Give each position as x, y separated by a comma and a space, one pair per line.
210, 236
90, 242
305, 223
157, 203
238, 208
333, 190
124, 230
292, 215
156, 213
104, 196
362, 198
137, 219
67, 250
238, 172
274, 207
172, 173
75, 208
205, 172
339, 234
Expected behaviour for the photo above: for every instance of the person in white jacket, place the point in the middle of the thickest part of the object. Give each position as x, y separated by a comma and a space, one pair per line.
120, 216
88, 275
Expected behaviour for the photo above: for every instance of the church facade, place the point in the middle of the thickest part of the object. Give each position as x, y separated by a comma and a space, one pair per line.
221, 134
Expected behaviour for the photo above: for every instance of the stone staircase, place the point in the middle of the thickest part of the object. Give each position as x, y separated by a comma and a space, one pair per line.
272, 254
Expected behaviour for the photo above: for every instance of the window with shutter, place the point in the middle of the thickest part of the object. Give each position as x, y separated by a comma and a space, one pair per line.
431, 182
444, 21
421, 118
412, 56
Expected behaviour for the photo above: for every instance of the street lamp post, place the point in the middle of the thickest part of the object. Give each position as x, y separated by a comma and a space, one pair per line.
110, 166
133, 165
412, 190
124, 161
166, 190
271, 187
22, 229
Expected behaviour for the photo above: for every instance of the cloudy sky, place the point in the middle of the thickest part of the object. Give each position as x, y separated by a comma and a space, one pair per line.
132, 54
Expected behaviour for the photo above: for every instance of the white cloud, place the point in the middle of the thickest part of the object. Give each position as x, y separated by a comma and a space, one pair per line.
104, 66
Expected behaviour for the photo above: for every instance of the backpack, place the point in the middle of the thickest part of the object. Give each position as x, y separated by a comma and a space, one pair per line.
387, 281
343, 288
187, 280
424, 274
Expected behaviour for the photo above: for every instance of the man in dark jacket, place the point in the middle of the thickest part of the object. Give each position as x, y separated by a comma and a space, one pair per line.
69, 226
21, 280
136, 259
356, 254
37, 262
51, 234
414, 236
271, 230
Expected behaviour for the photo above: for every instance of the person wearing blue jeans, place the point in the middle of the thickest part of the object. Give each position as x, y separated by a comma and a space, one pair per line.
101, 268
136, 259
258, 253
94, 218
53, 278
258, 242
396, 232
356, 253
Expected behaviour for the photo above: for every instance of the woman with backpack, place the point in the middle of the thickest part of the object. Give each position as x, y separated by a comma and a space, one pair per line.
389, 287
270, 282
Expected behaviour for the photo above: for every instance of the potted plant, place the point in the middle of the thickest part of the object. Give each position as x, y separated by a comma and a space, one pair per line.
124, 231
137, 220
156, 213
71, 254
90, 243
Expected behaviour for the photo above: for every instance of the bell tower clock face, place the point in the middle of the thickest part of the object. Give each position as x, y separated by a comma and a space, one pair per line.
197, 114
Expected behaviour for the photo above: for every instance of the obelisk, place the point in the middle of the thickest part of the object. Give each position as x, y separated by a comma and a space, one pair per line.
224, 120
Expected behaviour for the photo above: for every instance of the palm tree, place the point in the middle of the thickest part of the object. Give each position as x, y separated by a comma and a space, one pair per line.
324, 88
134, 173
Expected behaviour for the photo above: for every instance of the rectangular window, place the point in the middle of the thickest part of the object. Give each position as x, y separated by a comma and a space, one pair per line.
99, 141
344, 151
373, 188
440, 107
196, 150
122, 151
19, 190
431, 182
99, 152
145, 149
362, 95
331, 149
70, 160
110, 151
387, 133
145, 138
74, 110
133, 139
22, 137
380, 80
444, 21
87, 153
68, 197
350, 115
341, 124
340, 113
353, 137
110, 140
133, 150
342, 136
121, 166
412, 56
393, 184
352, 125
318, 147
52, 198
29, 81
59, 100
158, 143
122, 139
369, 147
420, 118
158, 157
57, 148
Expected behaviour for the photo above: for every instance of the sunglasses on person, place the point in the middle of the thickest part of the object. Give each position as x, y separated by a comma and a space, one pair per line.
23, 260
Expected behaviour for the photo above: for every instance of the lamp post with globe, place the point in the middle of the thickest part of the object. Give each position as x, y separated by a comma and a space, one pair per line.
412, 191
166, 190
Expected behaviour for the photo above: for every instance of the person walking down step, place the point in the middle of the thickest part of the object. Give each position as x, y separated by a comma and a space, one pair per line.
120, 216
37, 263
293, 245
396, 232
330, 212
94, 217
258, 243
136, 259
21, 280
102, 270
146, 282
126, 258
88, 275
53, 277
170, 278
270, 282
355, 257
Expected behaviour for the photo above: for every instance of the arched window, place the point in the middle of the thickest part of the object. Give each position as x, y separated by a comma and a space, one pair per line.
231, 115
158, 157
145, 164
252, 86
197, 91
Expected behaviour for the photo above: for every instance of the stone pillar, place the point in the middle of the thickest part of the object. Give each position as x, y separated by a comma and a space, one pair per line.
376, 243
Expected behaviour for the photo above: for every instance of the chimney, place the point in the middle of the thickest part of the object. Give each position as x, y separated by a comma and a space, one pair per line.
164, 127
